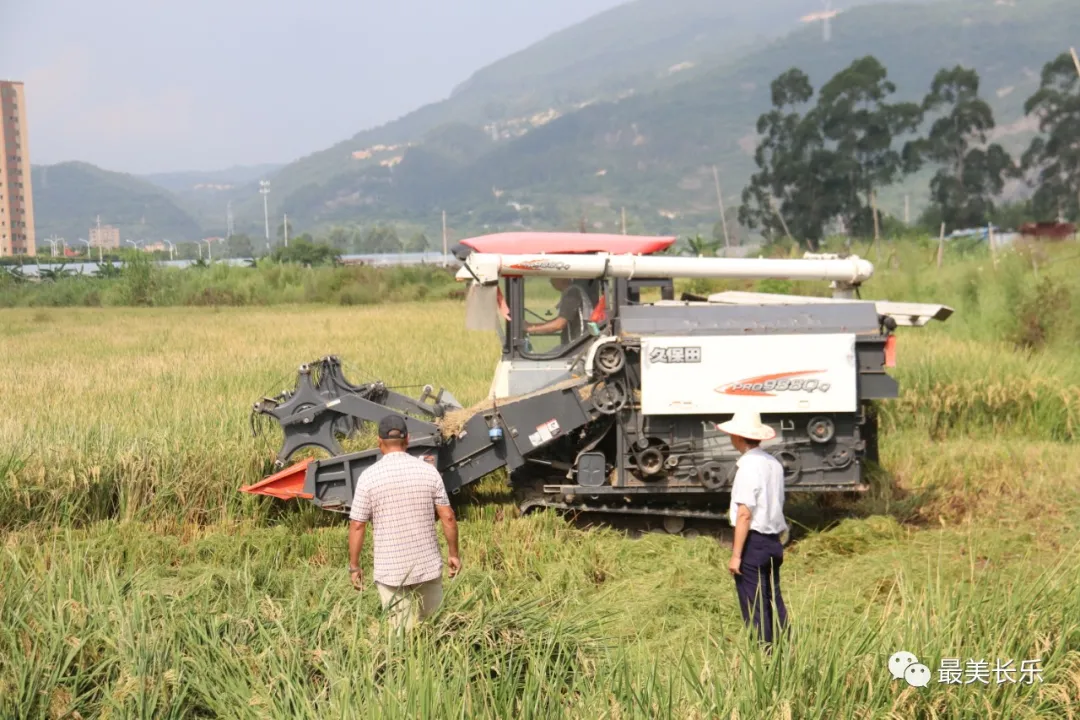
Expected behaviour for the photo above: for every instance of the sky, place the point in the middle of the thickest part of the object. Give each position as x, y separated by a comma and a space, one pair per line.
145, 86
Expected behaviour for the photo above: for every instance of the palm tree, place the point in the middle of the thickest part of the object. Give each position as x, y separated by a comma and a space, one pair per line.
699, 246
107, 270
17, 274
54, 274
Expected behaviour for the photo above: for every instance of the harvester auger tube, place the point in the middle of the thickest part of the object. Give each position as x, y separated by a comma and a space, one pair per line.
486, 268
618, 414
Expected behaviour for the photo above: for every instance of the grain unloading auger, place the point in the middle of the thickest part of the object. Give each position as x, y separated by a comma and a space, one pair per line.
616, 411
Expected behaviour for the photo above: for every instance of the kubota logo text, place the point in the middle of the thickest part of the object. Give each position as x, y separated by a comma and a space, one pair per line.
769, 385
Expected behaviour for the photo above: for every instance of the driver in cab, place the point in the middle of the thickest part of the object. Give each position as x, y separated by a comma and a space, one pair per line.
567, 321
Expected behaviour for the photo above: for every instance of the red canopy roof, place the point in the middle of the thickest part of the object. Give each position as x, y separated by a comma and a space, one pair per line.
528, 243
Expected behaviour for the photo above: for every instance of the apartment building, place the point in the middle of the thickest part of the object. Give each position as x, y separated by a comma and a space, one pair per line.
16, 194
106, 237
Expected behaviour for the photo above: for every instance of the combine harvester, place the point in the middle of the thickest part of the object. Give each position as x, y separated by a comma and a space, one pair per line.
617, 412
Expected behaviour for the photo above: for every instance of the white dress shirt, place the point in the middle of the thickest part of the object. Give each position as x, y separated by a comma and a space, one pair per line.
759, 485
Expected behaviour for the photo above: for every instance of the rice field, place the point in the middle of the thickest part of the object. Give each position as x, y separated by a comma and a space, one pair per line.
135, 581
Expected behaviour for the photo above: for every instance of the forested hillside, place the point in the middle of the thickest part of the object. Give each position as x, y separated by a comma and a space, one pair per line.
633, 48
629, 110
68, 198
194, 180
653, 152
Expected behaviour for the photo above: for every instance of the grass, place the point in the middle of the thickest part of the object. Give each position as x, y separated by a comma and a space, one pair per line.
141, 283
137, 582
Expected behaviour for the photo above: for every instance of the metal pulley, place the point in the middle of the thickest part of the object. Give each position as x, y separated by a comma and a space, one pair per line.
712, 475
609, 397
610, 358
651, 461
791, 462
841, 457
821, 429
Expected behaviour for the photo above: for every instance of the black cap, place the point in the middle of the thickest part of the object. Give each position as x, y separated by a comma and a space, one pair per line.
393, 427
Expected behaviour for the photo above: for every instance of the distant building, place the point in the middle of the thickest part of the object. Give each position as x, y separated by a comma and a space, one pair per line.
16, 194
156, 247
105, 237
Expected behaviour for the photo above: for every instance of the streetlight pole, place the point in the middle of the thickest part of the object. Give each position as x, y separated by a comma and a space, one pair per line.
172, 250
264, 190
209, 254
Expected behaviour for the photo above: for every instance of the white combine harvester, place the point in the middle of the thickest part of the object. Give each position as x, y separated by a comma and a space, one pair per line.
603, 401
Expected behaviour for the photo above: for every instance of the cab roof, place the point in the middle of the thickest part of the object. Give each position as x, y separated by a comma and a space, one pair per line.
529, 243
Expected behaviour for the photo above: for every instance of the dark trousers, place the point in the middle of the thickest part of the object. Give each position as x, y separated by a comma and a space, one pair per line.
758, 584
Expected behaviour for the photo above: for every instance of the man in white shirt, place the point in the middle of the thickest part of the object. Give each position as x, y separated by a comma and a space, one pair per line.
757, 513
400, 495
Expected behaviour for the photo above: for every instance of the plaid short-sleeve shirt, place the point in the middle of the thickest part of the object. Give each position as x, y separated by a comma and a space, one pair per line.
398, 495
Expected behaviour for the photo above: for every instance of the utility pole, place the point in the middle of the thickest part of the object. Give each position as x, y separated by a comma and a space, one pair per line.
286, 226
873, 207
229, 231
444, 246
264, 190
1076, 60
907, 209
941, 246
624, 221
720, 200
990, 240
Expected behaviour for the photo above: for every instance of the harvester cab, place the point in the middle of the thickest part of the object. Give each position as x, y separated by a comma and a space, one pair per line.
604, 401
549, 318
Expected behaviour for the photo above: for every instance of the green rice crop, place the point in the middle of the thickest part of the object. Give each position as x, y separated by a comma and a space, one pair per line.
135, 581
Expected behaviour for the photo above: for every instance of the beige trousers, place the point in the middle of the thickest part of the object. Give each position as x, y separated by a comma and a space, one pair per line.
410, 603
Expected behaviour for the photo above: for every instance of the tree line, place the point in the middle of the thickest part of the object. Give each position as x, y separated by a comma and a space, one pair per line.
821, 164
335, 241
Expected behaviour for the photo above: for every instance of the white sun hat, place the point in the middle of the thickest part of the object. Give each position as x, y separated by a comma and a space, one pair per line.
747, 425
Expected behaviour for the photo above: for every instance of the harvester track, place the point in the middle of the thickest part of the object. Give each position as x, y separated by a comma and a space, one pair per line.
631, 519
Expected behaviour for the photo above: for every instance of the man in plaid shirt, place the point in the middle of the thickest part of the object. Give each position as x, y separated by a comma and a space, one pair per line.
398, 495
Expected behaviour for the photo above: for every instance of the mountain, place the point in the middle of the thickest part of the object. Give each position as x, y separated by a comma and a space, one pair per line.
212, 180
630, 109
652, 152
206, 195
632, 48
68, 198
